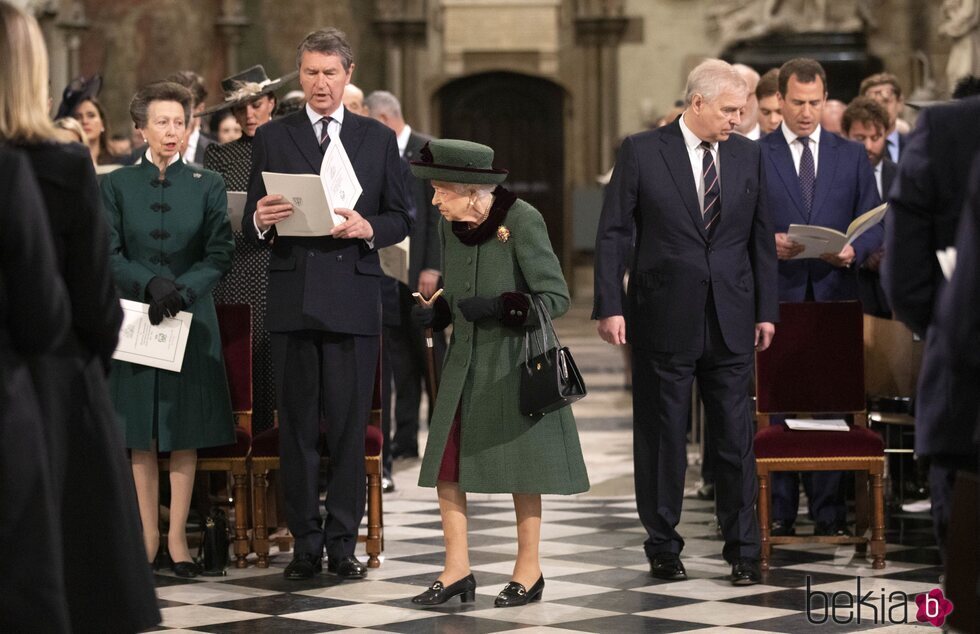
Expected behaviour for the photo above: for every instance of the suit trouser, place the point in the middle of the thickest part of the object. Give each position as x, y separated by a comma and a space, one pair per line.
329, 377
823, 492
661, 409
942, 479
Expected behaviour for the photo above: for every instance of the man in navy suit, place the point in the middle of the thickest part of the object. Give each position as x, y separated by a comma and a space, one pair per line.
817, 178
866, 121
701, 300
926, 204
324, 309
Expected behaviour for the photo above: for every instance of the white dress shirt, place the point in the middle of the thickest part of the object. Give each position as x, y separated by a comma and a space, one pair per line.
402, 140
878, 178
796, 147
754, 133
149, 157
192, 141
695, 154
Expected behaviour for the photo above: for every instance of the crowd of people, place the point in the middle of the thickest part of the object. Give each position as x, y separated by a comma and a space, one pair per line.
697, 209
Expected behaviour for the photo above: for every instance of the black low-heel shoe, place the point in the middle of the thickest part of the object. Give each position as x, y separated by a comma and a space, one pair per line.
162, 561
514, 594
437, 593
186, 569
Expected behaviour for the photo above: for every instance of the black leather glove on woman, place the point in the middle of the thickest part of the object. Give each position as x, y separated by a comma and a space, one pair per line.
165, 299
477, 308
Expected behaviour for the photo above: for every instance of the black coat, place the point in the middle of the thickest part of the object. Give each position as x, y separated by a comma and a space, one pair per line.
674, 264
325, 283
33, 320
85, 440
424, 251
926, 203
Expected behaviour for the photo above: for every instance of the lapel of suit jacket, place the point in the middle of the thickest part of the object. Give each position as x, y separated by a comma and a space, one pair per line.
678, 163
826, 171
728, 171
304, 136
782, 160
414, 146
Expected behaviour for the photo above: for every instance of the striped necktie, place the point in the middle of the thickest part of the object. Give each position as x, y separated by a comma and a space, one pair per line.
711, 207
325, 134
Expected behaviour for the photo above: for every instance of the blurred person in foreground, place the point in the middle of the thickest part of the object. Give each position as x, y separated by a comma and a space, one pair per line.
495, 255
89, 477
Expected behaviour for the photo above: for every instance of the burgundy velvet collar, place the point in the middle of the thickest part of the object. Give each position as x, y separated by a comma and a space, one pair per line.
502, 201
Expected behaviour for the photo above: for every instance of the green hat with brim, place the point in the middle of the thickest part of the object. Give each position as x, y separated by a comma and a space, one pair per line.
456, 161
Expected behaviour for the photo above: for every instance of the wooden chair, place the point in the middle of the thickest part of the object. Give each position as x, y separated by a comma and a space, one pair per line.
815, 365
264, 459
235, 325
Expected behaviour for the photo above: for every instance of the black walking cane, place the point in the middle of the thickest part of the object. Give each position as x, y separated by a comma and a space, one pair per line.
430, 355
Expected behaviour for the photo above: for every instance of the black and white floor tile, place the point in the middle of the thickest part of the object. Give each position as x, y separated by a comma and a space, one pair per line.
597, 578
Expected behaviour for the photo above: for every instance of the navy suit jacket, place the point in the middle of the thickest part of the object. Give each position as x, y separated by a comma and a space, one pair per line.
326, 283
674, 265
926, 203
845, 189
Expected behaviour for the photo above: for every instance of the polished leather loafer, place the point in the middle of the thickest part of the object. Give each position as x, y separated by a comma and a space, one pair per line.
832, 529
781, 528
706, 492
437, 593
303, 567
746, 572
347, 567
186, 569
515, 594
387, 485
667, 566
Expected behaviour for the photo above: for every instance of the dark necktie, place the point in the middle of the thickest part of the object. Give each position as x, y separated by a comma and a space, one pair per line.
711, 209
325, 134
808, 176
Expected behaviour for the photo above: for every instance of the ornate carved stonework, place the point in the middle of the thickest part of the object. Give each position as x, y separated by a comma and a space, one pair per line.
736, 20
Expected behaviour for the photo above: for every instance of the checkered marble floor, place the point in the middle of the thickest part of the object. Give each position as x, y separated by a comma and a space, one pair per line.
597, 578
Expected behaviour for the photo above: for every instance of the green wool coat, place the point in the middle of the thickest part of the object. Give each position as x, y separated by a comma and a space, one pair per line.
502, 451
177, 229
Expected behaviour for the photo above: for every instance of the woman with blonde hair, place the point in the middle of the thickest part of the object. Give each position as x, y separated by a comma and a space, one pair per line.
100, 546
69, 130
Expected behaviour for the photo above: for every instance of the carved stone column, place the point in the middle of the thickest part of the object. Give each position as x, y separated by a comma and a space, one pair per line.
72, 23
599, 27
232, 23
402, 25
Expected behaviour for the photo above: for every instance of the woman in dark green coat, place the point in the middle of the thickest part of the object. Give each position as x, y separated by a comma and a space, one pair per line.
496, 253
170, 243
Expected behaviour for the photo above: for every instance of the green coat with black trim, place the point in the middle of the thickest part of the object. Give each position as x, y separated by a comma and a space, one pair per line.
501, 450
178, 229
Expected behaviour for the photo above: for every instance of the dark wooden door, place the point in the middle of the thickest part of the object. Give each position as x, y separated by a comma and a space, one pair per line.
520, 117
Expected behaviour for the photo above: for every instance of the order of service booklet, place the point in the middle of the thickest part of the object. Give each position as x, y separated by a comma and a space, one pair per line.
161, 346
819, 240
236, 209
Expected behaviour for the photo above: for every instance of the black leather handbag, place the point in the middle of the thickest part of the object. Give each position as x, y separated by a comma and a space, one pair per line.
213, 553
550, 379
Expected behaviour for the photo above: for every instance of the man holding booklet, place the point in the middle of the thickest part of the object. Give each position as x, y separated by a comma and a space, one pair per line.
816, 178
323, 311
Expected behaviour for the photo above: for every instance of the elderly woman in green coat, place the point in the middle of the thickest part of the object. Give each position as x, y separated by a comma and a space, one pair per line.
496, 253
170, 243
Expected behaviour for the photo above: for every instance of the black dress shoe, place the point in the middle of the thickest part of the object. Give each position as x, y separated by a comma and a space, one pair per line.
162, 561
515, 594
437, 593
667, 566
387, 485
303, 567
347, 567
831, 529
186, 569
745, 572
781, 528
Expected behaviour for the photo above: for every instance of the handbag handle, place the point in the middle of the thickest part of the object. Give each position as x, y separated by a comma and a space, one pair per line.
545, 323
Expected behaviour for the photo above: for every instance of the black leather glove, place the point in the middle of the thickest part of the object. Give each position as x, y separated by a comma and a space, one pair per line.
165, 299
423, 316
477, 308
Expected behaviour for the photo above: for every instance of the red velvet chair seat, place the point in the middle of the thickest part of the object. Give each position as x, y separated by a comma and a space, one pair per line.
778, 441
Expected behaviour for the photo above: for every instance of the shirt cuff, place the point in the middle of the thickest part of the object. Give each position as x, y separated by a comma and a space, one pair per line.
259, 232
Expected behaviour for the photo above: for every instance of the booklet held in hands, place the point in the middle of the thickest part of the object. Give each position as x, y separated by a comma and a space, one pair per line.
819, 240
315, 197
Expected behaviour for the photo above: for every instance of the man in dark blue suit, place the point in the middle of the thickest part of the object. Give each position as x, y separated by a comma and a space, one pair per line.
885, 89
324, 308
701, 300
926, 204
815, 178
866, 121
